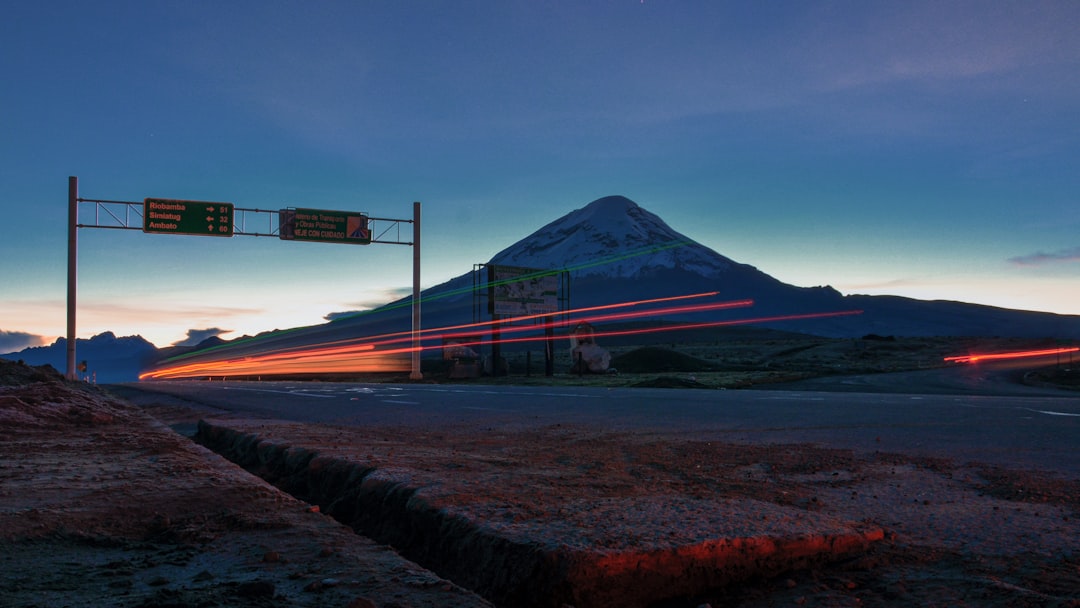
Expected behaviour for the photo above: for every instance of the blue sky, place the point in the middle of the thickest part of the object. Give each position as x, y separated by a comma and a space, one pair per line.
928, 149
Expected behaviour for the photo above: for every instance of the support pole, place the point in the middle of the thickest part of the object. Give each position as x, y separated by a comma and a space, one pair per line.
73, 260
416, 373
549, 346
496, 346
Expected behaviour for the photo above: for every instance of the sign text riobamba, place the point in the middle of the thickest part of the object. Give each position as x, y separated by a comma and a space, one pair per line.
324, 226
171, 216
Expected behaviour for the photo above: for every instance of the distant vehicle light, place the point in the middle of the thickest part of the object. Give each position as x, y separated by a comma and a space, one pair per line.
1012, 355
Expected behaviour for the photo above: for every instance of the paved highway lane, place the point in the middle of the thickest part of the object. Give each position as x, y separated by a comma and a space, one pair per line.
998, 378
1026, 432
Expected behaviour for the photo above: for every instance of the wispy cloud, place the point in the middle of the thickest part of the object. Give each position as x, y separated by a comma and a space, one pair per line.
375, 300
1040, 258
333, 316
153, 313
934, 41
195, 336
881, 285
14, 341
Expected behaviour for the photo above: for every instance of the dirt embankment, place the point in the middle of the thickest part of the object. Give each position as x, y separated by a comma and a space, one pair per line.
954, 534
101, 505
574, 544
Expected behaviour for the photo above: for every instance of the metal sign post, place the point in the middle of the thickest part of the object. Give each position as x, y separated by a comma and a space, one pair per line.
416, 373
72, 274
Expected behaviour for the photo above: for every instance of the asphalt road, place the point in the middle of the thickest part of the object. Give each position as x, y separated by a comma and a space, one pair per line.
998, 379
994, 421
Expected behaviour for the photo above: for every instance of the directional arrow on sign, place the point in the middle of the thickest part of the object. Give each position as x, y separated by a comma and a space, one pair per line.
173, 216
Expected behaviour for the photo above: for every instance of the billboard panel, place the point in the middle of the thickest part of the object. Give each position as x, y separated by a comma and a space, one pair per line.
324, 226
172, 216
515, 291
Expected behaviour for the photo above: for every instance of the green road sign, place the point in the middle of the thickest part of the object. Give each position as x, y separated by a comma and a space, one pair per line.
168, 216
324, 226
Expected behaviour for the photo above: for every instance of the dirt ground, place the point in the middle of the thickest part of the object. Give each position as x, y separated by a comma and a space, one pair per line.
102, 504
956, 535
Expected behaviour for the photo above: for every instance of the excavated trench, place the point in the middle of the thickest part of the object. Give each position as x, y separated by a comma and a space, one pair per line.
537, 568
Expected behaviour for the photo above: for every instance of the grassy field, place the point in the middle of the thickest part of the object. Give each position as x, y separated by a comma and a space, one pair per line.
728, 359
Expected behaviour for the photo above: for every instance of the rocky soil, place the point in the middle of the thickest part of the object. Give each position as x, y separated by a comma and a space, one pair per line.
102, 504
955, 535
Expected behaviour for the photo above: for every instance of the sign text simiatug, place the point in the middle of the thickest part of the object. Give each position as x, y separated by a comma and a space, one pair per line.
169, 216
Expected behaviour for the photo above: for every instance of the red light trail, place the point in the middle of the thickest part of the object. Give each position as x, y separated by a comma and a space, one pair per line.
1022, 354
679, 327
686, 326
486, 324
344, 356
370, 354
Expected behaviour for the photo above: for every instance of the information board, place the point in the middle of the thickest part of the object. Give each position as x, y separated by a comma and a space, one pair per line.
324, 226
517, 291
204, 218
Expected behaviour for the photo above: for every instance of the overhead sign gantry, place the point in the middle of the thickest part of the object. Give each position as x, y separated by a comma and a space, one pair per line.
207, 218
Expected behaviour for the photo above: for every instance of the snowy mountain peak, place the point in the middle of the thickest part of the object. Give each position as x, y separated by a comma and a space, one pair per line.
610, 206
612, 237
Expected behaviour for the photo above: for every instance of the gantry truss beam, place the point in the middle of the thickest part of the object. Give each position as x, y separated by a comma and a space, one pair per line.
128, 215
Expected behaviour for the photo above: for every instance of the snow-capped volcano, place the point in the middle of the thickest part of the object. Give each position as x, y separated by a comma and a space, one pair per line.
615, 238
617, 251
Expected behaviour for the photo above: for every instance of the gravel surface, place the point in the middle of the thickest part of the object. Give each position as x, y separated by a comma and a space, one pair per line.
102, 504
954, 534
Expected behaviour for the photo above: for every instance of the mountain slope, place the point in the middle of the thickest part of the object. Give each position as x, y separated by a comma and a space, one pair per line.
612, 237
616, 251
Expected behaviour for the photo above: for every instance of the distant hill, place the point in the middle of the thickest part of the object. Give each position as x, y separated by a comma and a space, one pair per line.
108, 359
